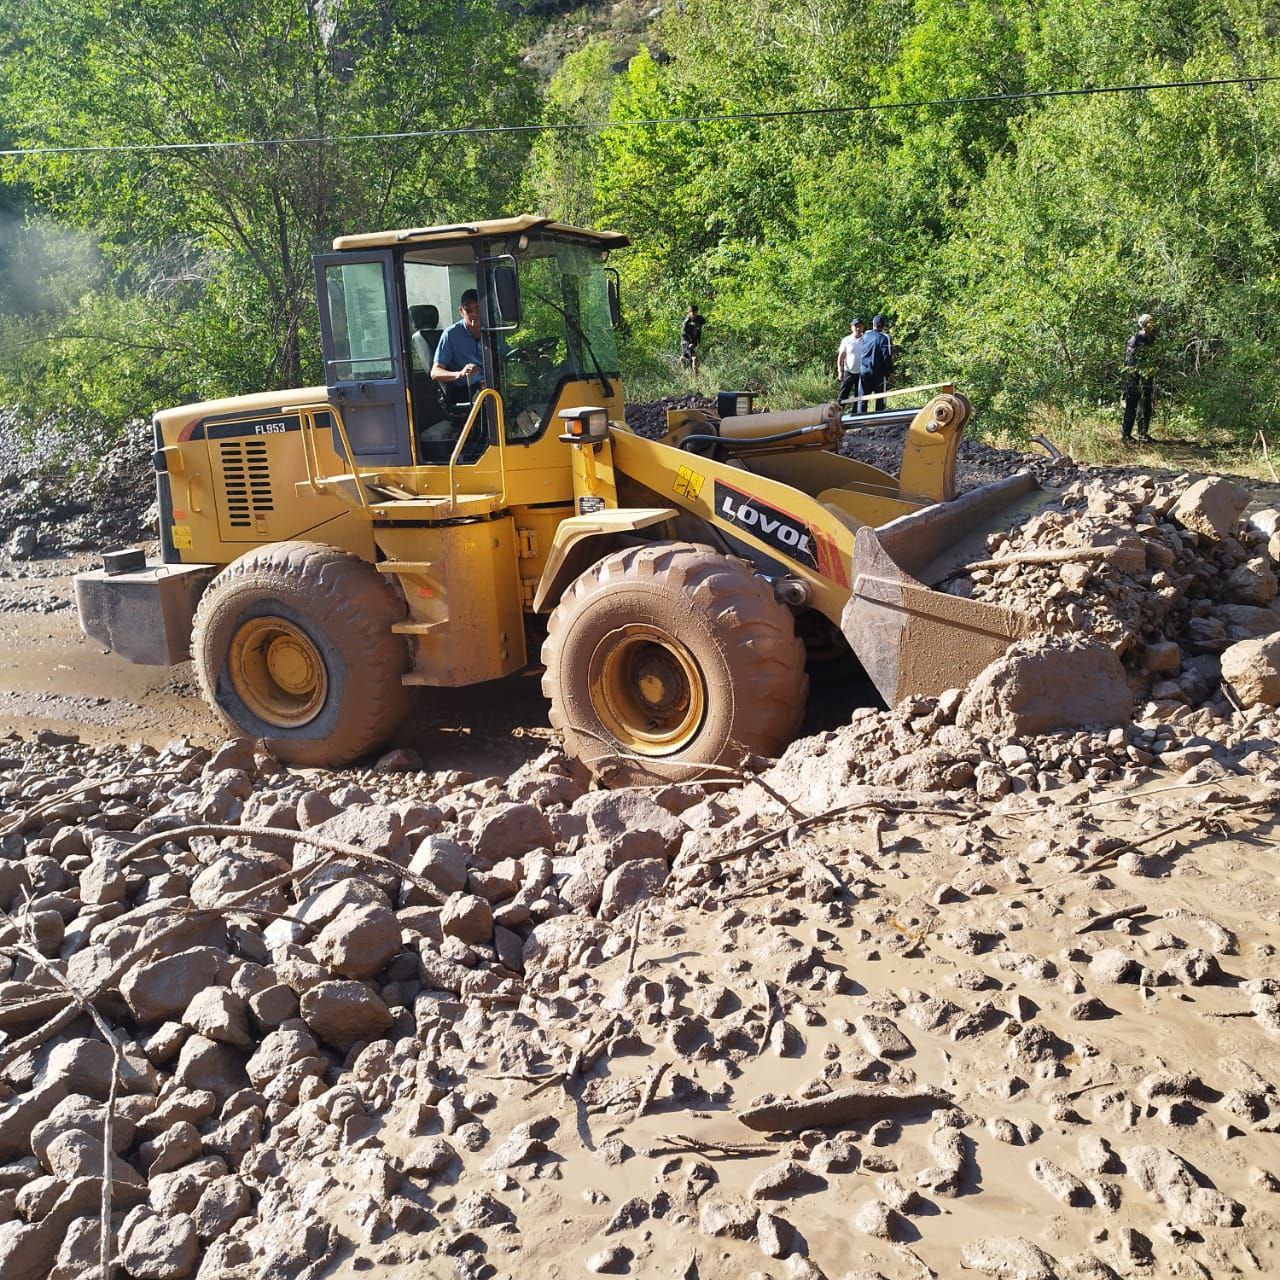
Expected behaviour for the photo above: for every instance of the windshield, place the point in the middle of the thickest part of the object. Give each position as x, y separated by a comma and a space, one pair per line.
565, 331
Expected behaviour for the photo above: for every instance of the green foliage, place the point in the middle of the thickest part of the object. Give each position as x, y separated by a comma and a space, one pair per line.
1012, 244
206, 254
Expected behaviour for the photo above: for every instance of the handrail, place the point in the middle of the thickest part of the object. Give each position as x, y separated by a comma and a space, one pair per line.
307, 413
485, 392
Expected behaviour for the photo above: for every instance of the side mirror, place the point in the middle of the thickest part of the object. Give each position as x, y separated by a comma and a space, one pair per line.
615, 299
506, 293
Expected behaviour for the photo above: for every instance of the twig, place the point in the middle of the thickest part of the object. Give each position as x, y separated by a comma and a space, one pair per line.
1266, 457
1110, 917
635, 937
674, 1143
108, 1121
1043, 555
651, 1083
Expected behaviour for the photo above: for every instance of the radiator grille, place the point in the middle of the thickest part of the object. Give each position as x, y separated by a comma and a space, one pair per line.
246, 481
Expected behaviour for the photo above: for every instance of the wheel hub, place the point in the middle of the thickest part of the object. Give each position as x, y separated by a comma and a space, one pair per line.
278, 672
647, 690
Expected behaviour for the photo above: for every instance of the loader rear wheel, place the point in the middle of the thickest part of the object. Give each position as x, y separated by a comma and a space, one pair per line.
664, 659
292, 643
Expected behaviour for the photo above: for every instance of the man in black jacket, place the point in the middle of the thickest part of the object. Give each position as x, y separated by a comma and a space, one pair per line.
1139, 381
875, 367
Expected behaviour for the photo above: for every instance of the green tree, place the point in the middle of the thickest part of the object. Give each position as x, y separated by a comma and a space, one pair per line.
219, 240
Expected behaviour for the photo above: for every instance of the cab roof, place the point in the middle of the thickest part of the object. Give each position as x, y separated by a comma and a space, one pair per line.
460, 231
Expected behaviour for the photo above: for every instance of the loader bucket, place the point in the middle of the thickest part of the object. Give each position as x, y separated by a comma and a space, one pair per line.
912, 640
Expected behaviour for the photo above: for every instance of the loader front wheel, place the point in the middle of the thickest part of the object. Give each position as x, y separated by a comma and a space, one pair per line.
665, 660
292, 643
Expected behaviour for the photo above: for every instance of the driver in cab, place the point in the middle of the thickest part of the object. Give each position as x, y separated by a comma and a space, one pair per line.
459, 359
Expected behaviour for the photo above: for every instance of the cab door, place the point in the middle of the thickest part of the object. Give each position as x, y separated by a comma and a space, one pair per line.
364, 358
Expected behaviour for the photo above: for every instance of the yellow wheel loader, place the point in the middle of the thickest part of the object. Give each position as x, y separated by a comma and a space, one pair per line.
326, 551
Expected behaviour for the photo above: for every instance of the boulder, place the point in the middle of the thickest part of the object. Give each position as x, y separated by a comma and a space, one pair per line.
1045, 683
161, 989
467, 916
359, 943
634, 881
634, 825
1251, 670
158, 1248
441, 861
284, 1047
81, 1066
1212, 507
204, 1064
341, 1013
219, 1014
508, 831
1252, 583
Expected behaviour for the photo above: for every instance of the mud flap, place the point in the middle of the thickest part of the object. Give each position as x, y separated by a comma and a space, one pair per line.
143, 616
916, 642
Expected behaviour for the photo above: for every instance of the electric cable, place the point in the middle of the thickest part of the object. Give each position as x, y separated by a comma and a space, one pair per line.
584, 126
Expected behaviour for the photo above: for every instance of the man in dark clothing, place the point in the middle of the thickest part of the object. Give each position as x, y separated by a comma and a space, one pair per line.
691, 336
876, 366
1139, 381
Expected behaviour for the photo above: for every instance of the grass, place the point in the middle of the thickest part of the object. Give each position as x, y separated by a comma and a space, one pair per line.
1093, 437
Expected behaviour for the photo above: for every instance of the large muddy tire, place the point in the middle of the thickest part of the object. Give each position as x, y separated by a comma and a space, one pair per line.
664, 659
292, 643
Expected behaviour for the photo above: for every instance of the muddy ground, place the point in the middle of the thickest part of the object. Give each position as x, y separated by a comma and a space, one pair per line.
928, 997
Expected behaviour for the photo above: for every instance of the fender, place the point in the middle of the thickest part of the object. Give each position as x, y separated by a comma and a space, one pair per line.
573, 538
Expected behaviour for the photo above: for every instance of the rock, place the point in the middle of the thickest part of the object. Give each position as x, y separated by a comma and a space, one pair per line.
441, 861
220, 1015
341, 1013
75, 1154
723, 1219
633, 824
635, 880
875, 1218
359, 943
156, 1248
856, 1103
1252, 583
613, 1261
881, 1038
467, 916
162, 989
1212, 507
481, 1210
784, 1180
774, 1236
1170, 1180
1194, 967
103, 882
224, 1201
1060, 1184
80, 1066
508, 831
22, 542
1251, 669
1010, 1257
206, 1064
1046, 683
27, 1252
1113, 966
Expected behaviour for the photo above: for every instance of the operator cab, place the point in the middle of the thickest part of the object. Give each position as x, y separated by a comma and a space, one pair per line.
547, 304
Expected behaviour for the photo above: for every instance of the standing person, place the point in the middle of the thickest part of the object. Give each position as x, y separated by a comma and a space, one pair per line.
1139, 380
875, 366
848, 360
691, 337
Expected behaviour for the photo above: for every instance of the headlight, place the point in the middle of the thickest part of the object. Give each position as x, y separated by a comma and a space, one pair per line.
588, 424
734, 404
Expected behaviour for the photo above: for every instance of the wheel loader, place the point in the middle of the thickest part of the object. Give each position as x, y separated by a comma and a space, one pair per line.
328, 551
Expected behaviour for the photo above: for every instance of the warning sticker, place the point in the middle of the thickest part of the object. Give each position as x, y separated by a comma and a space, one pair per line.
687, 482
180, 536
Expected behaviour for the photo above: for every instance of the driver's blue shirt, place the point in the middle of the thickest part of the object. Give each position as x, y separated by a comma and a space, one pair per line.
457, 348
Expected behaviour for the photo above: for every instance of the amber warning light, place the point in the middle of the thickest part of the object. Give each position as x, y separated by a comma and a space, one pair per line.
586, 425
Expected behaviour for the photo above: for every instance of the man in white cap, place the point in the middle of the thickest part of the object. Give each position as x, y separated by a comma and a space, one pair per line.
1139, 381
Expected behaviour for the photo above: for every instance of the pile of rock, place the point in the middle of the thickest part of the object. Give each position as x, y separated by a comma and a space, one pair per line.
1165, 572
649, 417
246, 934
79, 499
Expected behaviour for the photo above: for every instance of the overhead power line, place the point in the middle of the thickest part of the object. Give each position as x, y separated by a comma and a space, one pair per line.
476, 130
